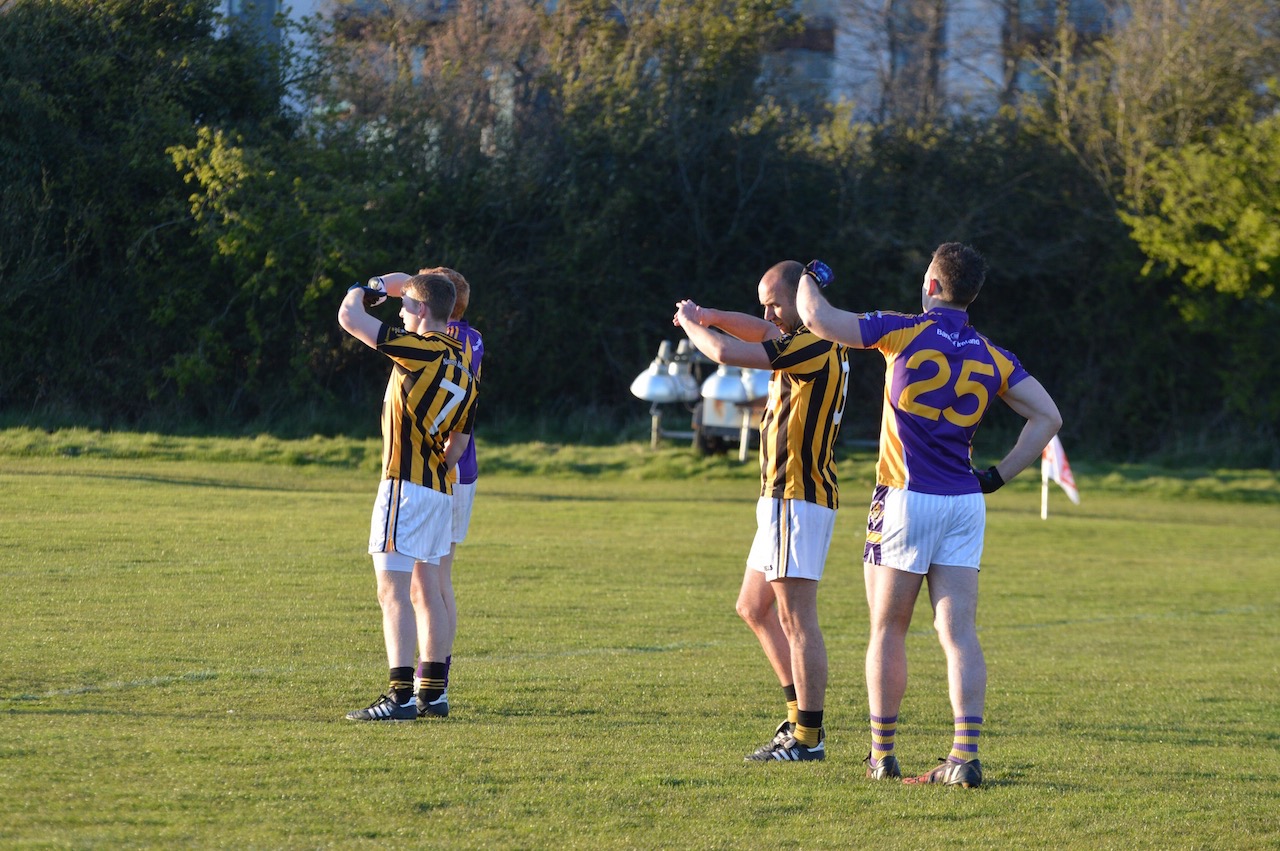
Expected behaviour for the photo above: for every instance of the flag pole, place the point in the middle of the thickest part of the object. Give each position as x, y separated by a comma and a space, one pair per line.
1044, 489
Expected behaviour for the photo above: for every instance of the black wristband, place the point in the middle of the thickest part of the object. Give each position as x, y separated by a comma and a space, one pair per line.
989, 480
820, 272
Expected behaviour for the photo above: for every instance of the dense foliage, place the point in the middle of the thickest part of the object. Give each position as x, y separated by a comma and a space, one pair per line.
175, 235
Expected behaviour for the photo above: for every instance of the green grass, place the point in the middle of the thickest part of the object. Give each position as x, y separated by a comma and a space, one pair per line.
186, 621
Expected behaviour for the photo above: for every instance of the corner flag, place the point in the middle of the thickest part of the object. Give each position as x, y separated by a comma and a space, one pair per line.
1054, 467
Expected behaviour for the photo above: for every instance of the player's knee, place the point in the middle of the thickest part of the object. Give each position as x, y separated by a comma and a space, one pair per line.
799, 627
754, 615
960, 636
417, 595
389, 596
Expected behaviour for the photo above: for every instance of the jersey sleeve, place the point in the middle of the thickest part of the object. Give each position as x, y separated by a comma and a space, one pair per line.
885, 330
800, 353
407, 349
1010, 368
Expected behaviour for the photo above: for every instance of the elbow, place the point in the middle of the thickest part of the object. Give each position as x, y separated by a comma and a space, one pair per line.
710, 348
1051, 422
345, 319
1055, 418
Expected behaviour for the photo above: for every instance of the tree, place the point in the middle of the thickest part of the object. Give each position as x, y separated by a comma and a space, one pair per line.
91, 95
1165, 76
1211, 218
1212, 212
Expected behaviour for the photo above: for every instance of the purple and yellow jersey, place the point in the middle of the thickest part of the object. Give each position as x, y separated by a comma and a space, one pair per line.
801, 418
940, 378
431, 393
468, 469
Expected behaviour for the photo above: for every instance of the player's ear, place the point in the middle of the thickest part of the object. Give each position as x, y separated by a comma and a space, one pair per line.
934, 287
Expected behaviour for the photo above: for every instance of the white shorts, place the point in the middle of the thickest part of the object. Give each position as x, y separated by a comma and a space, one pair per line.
464, 496
792, 539
911, 531
411, 520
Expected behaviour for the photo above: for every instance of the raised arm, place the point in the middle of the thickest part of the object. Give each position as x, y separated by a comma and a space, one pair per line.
723, 348
744, 326
1031, 401
356, 320
393, 282
829, 323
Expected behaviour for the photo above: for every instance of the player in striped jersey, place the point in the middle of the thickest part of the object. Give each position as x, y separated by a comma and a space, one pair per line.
927, 515
795, 514
427, 417
432, 592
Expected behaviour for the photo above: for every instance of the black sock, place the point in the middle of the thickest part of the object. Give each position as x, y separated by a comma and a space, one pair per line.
431, 678
401, 683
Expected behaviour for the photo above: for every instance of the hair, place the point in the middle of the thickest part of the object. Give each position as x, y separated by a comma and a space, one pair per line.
960, 270
435, 291
460, 286
790, 272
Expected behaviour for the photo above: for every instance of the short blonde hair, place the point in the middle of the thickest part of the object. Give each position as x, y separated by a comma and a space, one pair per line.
460, 286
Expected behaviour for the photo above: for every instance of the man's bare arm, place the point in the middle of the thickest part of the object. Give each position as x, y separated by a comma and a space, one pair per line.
1031, 401
829, 323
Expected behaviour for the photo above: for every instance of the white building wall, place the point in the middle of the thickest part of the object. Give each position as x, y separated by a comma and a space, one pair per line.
971, 70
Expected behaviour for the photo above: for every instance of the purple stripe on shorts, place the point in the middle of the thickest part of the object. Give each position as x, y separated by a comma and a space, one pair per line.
875, 525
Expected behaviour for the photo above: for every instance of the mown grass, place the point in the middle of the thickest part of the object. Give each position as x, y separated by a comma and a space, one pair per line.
186, 622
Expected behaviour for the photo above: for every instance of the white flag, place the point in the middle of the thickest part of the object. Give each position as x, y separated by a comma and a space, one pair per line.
1054, 468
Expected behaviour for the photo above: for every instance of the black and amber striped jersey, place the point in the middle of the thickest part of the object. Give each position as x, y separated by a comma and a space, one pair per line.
801, 419
431, 392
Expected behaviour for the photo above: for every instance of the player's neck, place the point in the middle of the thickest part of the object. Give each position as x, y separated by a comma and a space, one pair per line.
934, 303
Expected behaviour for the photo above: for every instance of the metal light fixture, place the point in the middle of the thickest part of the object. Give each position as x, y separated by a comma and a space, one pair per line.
757, 382
726, 385
656, 384
681, 370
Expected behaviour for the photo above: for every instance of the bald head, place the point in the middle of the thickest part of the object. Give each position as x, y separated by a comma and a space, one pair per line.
777, 293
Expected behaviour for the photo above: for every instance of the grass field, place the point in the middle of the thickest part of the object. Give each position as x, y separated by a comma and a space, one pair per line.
185, 623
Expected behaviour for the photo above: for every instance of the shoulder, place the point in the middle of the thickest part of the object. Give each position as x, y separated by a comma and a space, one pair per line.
803, 338
1006, 361
803, 350
892, 318
881, 322
398, 342
463, 331
888, 330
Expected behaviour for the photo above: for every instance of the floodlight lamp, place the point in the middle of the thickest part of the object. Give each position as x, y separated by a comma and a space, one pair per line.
757, 382
681, 371
656, 384
726, 385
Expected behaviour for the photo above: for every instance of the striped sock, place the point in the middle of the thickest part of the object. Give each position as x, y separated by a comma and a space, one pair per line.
431, 680
809, 728
793, 705
965, 745
401, 683
883, 730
